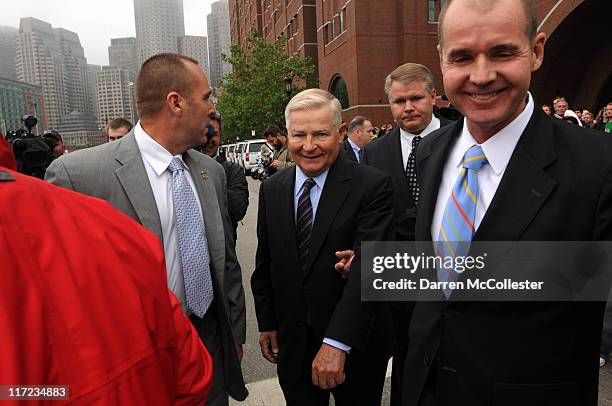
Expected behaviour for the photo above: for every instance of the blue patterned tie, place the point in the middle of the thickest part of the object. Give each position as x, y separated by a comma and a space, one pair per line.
457, 226
193, 247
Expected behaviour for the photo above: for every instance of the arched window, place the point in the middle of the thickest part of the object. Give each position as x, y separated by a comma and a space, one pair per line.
338, 88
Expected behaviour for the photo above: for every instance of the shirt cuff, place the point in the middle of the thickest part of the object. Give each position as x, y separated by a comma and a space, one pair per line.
337, 345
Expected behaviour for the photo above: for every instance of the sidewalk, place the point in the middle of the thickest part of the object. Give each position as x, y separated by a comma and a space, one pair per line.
268, 392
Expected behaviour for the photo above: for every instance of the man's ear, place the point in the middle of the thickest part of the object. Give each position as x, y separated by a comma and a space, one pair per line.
538, 51
173, 102
342, 132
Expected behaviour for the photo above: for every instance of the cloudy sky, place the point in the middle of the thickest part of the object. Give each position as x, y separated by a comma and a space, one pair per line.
96, 21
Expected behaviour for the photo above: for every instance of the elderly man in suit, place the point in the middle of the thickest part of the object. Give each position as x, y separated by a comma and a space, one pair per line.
526, 176
179, 194
312, 322
359, 135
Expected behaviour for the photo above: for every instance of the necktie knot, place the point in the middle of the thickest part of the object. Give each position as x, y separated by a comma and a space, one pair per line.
176, 165
415, 141
308, 184
474, 158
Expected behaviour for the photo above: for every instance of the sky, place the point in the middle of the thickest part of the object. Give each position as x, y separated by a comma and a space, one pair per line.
96, 21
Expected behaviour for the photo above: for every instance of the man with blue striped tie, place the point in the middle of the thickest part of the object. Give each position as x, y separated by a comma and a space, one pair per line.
506, 172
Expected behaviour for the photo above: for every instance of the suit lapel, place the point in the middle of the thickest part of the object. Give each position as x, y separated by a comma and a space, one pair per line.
332, 198
132, 176
431, 158
525, 186
286, 215
396, 163
349, 150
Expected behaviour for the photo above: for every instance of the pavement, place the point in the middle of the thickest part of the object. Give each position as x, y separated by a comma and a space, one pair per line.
259, 374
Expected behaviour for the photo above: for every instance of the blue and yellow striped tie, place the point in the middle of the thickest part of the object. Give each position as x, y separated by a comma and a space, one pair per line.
457, 226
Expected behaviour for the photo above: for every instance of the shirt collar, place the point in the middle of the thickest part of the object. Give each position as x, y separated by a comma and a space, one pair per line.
300, 178
353, 145
499, 148
157, 156
433, 125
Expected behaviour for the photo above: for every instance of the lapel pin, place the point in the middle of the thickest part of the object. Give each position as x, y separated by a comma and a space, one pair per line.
204, 175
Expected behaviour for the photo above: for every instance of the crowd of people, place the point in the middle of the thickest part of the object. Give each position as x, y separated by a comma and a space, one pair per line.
123, 281
584, 118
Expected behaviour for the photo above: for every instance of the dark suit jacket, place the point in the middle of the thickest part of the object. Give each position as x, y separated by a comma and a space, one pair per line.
237, 192
347, 151
355, 206
557, 187
385, 153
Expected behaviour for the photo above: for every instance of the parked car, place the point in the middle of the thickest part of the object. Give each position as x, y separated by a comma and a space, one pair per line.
231, 153
223, 151
251, 154
240, 154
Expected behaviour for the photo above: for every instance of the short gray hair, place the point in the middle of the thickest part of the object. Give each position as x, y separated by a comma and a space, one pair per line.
314, 98
408, 73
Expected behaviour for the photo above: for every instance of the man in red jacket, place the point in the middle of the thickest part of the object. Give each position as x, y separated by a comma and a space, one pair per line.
84, 302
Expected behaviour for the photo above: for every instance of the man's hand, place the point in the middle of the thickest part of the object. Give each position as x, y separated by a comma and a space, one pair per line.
274, 163
346, 259
328, 367
240, 352
268, 342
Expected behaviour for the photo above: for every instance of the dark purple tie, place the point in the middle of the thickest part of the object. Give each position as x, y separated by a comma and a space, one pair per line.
304, 223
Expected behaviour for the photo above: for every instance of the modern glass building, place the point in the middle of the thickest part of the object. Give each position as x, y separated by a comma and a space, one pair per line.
18, 99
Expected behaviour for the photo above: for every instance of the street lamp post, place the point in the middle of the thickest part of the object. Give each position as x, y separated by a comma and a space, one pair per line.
288, 87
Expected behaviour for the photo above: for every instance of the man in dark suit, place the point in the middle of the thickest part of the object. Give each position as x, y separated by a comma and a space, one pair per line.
312, 322
153, 175
532, 175
237, 187
359, 135
412, 97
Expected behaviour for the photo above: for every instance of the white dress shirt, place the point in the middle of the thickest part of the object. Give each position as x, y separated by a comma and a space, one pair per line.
498, 149
406, 138
156, 160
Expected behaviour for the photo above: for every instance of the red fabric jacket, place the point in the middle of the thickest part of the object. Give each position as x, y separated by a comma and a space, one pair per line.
6, 155
84, 302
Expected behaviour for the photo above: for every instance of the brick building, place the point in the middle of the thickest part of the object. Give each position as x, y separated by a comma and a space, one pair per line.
358, 42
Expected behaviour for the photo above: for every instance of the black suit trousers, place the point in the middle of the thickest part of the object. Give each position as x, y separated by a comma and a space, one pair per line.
365, 378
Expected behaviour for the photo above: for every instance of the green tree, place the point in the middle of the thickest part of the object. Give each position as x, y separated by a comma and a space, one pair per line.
253, 95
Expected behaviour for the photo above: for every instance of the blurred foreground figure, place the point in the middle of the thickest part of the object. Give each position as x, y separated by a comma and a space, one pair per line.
84, 302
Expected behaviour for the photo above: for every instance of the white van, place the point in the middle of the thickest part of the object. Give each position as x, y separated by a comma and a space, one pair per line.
251, 154
231, 149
